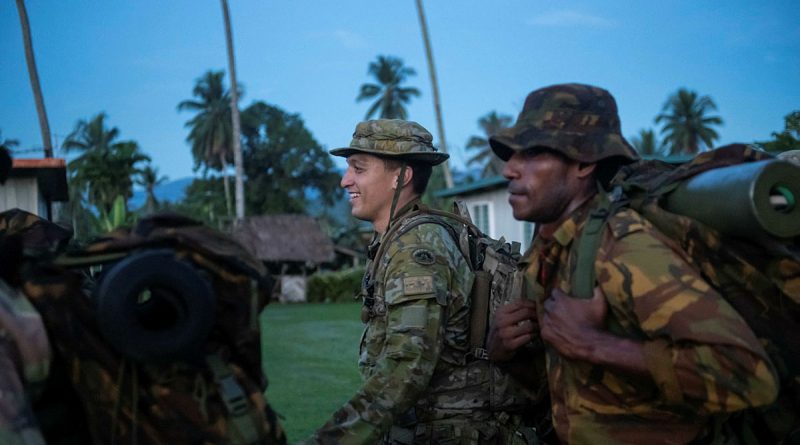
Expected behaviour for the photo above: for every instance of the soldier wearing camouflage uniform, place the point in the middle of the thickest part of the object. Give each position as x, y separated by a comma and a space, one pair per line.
657, 353
414, 355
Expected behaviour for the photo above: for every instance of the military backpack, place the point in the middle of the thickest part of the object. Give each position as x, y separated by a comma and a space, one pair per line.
158, 330
735, 213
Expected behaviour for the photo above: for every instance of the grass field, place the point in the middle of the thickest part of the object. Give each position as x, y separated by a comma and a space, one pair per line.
310, 354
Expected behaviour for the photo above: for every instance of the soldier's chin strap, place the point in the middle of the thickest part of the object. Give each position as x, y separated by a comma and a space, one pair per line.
400, 182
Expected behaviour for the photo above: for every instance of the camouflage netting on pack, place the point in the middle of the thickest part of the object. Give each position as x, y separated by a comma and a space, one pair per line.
758, 275
213, 394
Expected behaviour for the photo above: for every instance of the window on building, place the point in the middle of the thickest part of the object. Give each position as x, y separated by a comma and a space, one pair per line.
481, 217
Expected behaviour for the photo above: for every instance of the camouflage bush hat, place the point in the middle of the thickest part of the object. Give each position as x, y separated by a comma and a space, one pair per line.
578, 121
393, 138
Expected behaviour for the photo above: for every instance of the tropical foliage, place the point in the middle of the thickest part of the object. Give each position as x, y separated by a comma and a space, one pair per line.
647, 143
687, 123
283, 162
105, 168
150, 179
390, 96
211, 132
491, 123
789, 138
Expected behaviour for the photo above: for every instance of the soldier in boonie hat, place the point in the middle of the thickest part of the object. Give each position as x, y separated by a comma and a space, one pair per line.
381, 152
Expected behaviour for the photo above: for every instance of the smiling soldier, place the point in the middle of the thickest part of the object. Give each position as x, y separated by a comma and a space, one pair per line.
414, 356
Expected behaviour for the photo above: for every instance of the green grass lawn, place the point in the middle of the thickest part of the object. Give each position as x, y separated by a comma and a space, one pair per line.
310, 354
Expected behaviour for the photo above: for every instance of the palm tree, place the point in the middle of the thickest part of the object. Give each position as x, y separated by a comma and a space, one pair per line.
391, 97
105, 168
44, 125
448, 177
211, 132
687, 123
490, 124
646, 142
237, 133
150, 179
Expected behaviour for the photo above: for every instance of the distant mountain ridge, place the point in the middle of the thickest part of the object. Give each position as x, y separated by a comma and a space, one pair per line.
170, 191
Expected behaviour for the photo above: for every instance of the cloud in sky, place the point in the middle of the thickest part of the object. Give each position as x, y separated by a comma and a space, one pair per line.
566, 17
349, 39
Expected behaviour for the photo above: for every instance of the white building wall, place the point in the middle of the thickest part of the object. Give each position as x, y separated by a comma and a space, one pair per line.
503, 222
20, 193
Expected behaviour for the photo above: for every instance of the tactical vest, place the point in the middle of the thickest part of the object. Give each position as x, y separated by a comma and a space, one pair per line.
475, 383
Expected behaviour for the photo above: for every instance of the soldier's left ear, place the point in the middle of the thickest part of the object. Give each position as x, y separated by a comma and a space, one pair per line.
585, 170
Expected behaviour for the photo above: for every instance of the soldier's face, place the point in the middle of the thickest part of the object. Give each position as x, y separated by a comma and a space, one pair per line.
541, 185
371, 187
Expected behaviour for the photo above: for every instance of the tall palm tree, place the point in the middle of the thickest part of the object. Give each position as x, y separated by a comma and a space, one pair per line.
391, 96
211, 133
44, 125
490, 124
646, 142
235, 120
150, 179
105, 168
686, 122
437, 107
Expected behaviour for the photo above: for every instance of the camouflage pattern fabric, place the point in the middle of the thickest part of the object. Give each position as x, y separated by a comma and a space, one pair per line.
703, 357
393, 138
174, 402
418, 385
578, 121
24, 364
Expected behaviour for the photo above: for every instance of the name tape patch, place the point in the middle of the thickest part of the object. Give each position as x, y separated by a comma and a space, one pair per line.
418, 285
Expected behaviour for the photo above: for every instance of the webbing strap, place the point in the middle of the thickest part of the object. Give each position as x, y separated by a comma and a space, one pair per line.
586, 247
235, 402
396, 197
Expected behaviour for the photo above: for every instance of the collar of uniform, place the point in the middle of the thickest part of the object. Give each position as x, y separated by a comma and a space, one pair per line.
566, 232
411, 205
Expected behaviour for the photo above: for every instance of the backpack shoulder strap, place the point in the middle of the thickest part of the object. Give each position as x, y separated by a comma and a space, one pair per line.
588, 244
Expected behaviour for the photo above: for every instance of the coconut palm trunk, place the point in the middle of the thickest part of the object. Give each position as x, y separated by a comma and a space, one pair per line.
44, 125
236, 121
226, 183
448, 177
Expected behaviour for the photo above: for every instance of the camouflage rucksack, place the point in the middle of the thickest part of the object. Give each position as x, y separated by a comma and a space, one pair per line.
757, 272
158, 328
497, 281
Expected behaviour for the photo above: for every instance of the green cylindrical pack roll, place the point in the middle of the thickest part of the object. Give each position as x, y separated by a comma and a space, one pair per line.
743, 200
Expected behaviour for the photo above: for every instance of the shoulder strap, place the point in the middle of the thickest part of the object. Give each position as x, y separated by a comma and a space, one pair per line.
586, 247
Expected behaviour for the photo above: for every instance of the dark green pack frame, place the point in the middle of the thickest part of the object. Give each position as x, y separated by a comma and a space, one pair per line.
158, 326
735, 212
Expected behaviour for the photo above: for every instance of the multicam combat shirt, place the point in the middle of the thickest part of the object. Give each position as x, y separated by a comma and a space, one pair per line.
415, 344
703, 358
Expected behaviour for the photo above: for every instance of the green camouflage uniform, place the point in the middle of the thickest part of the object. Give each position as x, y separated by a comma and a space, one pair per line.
420, 384
702, 356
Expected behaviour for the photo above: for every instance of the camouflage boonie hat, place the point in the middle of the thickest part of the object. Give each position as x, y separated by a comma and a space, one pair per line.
393, 138
578, 121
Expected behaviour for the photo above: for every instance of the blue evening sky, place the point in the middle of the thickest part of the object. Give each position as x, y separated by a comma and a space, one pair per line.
137, 60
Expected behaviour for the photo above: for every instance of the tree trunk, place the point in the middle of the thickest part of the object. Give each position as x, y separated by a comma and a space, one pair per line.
225, 182
448, 177
238, 162
44, 125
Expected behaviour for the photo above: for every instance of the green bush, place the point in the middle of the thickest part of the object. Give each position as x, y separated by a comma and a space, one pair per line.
334, 287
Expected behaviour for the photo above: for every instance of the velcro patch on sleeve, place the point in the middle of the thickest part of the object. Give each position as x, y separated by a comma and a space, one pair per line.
415, 316
418, 285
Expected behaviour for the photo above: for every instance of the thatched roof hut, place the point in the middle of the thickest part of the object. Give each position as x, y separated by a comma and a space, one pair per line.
287, 238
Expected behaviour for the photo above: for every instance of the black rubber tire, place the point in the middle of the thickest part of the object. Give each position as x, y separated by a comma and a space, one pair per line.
172, 324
